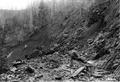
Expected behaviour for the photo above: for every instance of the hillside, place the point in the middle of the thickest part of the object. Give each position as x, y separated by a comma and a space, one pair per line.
77, 44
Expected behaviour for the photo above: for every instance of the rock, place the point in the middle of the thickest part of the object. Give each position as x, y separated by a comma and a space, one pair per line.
90, 41
99, 45
38, 76
17, 63
58, 78
50, 52
101, 53
56, 45
29, 70
78, 71
91, 62
39, 48
73, 53
31, 79
75, 56
27, 57
65, 35
52, 64
13, 69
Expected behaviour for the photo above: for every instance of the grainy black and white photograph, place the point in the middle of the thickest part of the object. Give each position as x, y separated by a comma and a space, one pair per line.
59, 40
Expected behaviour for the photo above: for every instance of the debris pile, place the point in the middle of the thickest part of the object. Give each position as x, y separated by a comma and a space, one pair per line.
90, 54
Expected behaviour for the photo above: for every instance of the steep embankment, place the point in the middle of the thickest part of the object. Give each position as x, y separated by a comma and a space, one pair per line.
91, 53
62, 21
19, 51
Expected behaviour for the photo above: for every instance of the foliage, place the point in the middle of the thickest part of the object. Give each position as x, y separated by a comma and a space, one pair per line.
41, 19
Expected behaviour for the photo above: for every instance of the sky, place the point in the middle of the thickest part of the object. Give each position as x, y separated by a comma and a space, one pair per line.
23, 4
18, 4
15, 4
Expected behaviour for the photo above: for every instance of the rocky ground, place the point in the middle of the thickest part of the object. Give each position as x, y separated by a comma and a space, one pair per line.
83, 55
